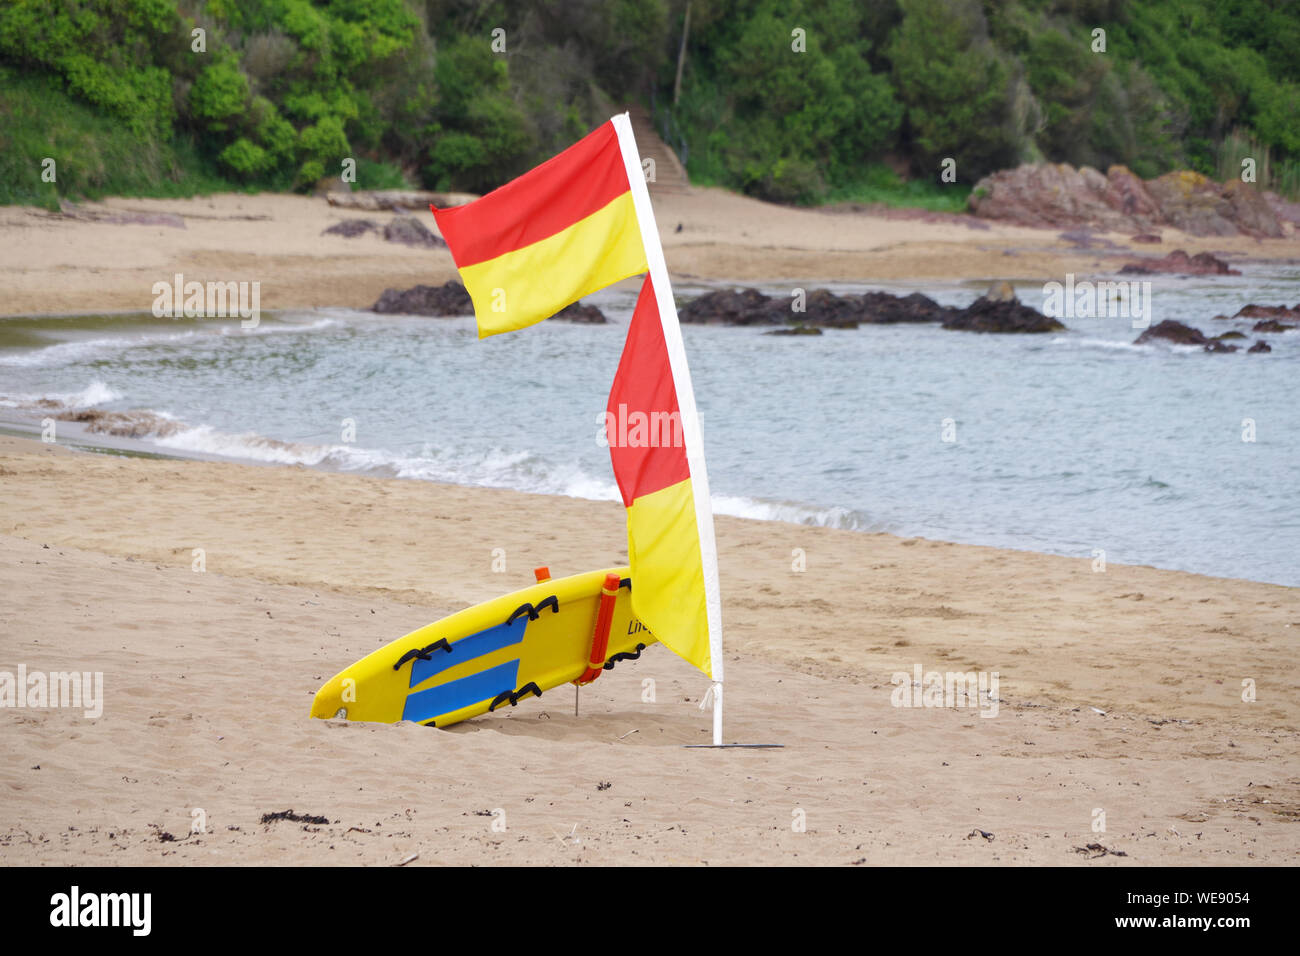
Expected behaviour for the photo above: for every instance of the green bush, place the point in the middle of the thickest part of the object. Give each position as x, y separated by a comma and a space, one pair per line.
287, 88
321, 148
219, 95
246, 159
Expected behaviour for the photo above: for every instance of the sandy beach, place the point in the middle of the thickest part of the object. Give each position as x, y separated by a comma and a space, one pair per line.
55, 264
1121, 693
927, 372
1119, 733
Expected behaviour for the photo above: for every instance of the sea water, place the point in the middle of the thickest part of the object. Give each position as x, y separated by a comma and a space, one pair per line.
1069, 443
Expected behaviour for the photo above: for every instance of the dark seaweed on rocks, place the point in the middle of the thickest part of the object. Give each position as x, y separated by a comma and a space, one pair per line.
294, 817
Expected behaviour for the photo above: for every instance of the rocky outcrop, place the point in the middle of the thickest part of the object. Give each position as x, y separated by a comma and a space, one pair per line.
730, 307
824, 309
1174, 332
1056, 195
1214, 345
881, 308
1251, 212
820, 309
1200, 206
407, 230
351, 228
581, 314
999, 311
443, 300
451, 299
1272, 318
1180, 263
411, 232
1271, 325
1285, 210
1275, 312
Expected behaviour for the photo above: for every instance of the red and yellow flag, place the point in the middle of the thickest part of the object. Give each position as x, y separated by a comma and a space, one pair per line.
546, 239
647, 446
574, 225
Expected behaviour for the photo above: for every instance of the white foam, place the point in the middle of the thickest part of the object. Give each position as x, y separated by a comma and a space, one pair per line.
85, 350
1091, 343
514, 470
96, 393
206, 440
741, 507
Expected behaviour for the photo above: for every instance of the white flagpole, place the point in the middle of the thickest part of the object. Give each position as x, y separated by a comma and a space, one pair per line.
654, 254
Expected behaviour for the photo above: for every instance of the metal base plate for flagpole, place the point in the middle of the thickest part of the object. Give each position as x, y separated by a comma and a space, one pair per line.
731, 746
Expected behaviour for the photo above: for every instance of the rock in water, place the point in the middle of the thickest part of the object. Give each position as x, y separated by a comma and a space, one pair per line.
1216, 346
1001, 314
411, 232
1171, 331
1180, 263
1271, 325
448, 299
1260, 346
881, 308
821, 308
1275, 313
730, 307
796, 330
581, 314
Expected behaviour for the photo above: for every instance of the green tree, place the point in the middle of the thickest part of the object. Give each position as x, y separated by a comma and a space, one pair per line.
956, 88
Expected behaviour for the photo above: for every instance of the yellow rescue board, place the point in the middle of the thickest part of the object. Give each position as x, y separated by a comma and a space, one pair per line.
488, 656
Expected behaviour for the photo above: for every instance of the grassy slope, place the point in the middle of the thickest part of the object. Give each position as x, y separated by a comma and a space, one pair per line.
94, 155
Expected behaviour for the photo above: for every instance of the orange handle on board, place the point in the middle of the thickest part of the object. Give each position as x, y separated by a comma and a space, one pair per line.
600, 636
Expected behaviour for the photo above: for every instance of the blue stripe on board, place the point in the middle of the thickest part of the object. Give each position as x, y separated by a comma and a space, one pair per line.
468, 648
427, 704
